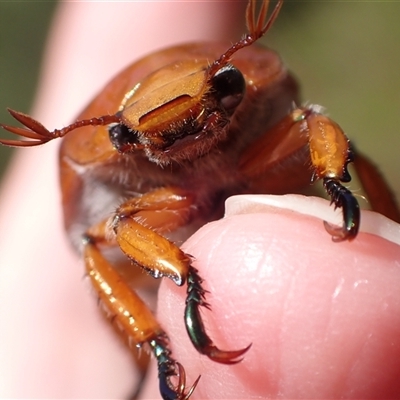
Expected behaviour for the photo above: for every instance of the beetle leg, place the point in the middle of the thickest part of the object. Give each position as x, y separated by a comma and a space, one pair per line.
138, 224
168, 369
343, 198
306, 134
131, 315
195, 327
330, 155
162, 210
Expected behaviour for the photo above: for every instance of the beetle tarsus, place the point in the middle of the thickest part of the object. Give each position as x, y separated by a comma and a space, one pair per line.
168, 368
344, 199
195, 327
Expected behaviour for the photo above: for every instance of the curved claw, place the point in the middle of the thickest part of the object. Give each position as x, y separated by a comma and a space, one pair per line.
344, 199
224, 356
195, 327
178, 393
168, 368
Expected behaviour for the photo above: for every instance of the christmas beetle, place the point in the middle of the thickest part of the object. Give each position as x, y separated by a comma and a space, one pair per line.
174, 142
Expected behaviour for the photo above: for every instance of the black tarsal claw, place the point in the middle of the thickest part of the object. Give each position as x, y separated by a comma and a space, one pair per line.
195, 327
344, 199
168, 368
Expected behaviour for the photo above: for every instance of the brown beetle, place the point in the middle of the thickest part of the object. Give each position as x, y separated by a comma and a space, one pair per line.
188, 118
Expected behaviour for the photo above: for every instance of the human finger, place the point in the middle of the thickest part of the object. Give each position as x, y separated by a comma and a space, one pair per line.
323, 317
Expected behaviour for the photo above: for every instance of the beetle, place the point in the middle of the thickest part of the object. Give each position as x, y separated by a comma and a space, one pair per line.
172, 123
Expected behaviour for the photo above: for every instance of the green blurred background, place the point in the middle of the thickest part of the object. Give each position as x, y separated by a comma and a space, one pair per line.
346, 54
23, 30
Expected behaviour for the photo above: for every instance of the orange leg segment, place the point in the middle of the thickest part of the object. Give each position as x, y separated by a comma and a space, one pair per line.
152, 252
131, 315
127, 309
136, 228
310, 146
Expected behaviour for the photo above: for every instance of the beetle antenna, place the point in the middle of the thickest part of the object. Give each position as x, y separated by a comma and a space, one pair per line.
256, 29
39, 134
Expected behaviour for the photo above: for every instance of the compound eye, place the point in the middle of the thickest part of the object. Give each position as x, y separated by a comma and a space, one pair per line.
229, 86
121, 137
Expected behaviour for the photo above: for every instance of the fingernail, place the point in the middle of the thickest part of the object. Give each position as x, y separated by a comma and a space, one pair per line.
371, 222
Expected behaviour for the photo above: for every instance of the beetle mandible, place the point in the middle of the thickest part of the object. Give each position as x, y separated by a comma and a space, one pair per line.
185, 118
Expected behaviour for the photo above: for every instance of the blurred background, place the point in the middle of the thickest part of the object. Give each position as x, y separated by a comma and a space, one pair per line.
23, 31
345, 55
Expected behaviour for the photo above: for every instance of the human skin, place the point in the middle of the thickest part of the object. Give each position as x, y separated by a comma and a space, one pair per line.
322, 317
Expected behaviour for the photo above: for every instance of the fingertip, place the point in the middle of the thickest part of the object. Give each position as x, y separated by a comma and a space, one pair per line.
307, 305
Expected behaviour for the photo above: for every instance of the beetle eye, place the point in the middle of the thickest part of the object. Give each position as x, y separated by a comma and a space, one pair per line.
229, 86
121, 137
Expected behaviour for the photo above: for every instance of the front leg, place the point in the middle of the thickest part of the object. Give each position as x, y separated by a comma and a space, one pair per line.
137, 229
330, 154
138, 225
306, 145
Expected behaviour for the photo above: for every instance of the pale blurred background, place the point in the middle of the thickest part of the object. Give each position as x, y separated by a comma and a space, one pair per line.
345, 54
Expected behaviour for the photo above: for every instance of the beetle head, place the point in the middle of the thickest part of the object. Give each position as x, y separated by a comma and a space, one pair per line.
178, 112
182, 111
